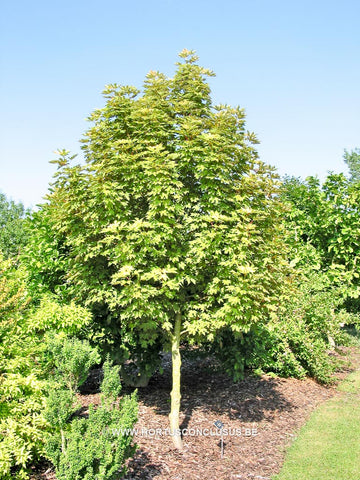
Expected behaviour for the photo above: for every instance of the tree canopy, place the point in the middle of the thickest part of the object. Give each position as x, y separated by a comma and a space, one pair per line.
352, 160
326, 218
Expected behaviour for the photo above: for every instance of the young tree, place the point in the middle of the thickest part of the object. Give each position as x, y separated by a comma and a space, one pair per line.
173, 223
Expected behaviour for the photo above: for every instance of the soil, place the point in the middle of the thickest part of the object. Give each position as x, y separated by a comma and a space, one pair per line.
261, 417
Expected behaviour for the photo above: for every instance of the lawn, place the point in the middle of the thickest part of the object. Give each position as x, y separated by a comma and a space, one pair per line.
328, 446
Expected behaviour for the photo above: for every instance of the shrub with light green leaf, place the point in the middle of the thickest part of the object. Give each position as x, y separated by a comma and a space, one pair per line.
22, 425
22, 397
23, 382
70, 318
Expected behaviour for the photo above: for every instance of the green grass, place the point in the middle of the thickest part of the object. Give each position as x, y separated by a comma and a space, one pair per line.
328, 446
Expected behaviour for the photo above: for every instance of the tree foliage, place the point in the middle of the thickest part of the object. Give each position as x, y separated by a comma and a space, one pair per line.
173, 211
13, 233
352, 160
326, 218
45, 256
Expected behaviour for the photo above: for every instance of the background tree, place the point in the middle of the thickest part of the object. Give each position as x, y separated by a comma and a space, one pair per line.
326, 217
12, 230
352, 160
322, 232
173, 226
45, 256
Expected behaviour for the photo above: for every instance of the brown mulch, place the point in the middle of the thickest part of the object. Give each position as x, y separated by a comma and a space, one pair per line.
262, 416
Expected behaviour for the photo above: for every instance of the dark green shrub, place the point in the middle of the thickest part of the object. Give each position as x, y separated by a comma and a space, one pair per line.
72, 359
96, 447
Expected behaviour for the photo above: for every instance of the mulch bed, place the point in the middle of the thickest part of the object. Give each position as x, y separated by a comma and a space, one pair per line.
262, 416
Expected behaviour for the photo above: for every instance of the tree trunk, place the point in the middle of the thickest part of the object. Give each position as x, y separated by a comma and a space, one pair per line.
175, 392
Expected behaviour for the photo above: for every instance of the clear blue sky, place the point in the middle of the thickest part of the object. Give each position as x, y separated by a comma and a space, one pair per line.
293, 65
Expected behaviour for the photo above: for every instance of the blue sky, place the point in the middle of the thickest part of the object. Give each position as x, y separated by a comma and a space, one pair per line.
294, 67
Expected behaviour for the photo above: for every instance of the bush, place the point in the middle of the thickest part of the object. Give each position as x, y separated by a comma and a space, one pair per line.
93, 448
295, 344
70, 319
22, 425
22, 396
23, 373
72, 359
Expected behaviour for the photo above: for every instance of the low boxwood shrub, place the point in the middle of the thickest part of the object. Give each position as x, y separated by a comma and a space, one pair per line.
93, 447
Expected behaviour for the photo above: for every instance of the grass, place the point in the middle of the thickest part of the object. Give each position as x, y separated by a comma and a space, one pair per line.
328, 446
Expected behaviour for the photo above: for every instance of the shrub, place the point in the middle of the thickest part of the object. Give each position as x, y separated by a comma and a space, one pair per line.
70, 319
23, 372
296, 343
22, 396
72, 359
93, 448
22, 425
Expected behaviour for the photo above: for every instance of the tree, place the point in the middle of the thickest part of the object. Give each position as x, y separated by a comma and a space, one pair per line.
326, 217
173, 224
352, 160
12, 230
45, 256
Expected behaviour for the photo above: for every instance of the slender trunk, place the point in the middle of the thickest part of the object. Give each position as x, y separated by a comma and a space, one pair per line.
175, 392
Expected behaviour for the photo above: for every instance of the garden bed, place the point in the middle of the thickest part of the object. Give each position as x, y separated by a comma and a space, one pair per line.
262, 416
